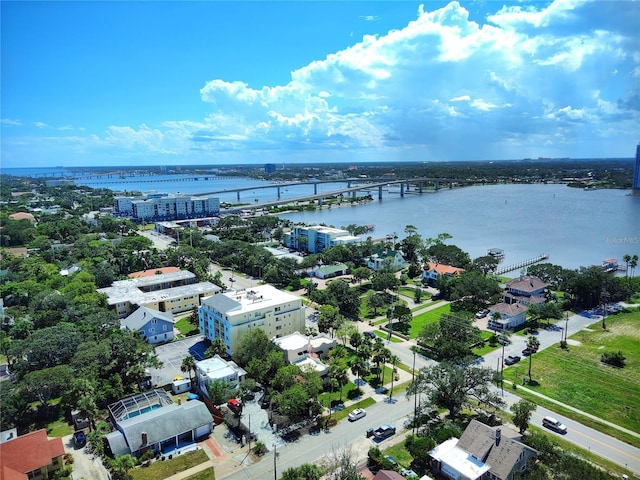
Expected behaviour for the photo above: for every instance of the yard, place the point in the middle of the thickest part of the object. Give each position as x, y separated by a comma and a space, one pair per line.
577, 377
430, 316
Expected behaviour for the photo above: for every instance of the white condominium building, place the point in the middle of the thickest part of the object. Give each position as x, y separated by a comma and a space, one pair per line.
230, 315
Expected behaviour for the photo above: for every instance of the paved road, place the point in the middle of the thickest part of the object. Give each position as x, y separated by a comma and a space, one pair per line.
351, 435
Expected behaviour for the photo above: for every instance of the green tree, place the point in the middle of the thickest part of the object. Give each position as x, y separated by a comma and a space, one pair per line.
188, 366
533, 344
306, 471
217, 347
361, 273
219, 391
449, 385
452, 337
522, 414
253, 345
375, 300
47, 383
121, 465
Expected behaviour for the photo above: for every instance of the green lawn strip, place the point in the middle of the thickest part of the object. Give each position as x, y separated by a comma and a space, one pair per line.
422, 306
160, 469
431, 316
323, 398
364, 403
185, 327
206, 474
577, 377
486, 348
384, 336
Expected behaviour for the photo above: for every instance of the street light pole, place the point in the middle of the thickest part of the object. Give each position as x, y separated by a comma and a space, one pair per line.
415, 394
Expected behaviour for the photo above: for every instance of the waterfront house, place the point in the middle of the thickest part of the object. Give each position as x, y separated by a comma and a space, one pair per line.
431, 272
154, 326
503, 316
482, 452
386, 259
31, 456
526, 290
315, 239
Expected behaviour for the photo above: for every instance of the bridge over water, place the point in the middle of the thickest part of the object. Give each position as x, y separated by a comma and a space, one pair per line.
412, 185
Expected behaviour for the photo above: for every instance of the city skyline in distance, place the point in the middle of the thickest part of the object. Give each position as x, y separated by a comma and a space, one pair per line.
221, 83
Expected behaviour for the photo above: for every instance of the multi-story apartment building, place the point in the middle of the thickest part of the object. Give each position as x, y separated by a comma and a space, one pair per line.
167, 207
170, 292
230, 315
317, 238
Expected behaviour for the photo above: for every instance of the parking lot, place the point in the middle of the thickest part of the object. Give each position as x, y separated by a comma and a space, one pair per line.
171, 355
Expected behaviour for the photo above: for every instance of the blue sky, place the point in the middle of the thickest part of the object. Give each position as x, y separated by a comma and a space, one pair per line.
178, 83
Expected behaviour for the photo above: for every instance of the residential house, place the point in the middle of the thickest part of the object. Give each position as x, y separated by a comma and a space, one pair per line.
526, 289
315, 239
155, 327
482, 452
431, 272
330, 271
230, 315
518, 295
23, 216
216, 369
151, 421
174, 292
388, 475
296, 345
32, 456
386, 259
503, 316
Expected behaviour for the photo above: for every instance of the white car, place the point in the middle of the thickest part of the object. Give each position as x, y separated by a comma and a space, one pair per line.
357, 414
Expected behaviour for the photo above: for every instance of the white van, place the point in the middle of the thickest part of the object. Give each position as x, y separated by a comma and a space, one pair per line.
554, 424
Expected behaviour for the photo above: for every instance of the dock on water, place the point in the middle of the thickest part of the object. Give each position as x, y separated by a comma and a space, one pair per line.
523, 264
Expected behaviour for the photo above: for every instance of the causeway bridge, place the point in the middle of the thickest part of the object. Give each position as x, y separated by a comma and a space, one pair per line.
416, 186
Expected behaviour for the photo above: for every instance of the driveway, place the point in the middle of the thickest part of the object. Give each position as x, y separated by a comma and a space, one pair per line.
85, 466
171, 355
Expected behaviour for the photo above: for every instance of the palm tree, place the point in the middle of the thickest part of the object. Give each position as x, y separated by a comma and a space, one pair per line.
333, 384
627, 258
633, 264
393, 360
88, 407
188, 365
217, 347
533, 344
121, 465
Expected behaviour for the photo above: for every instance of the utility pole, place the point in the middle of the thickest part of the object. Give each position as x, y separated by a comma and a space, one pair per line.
415, 395
275, 456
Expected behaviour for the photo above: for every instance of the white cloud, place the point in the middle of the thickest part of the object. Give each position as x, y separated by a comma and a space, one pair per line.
10, 122
531, 75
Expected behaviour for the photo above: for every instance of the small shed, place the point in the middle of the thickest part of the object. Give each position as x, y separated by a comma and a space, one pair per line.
181, 386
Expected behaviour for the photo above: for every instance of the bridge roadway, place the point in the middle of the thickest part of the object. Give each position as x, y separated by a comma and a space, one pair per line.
364, 185
316, 196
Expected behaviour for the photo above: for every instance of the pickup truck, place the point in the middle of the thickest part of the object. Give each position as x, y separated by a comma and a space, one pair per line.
384, 431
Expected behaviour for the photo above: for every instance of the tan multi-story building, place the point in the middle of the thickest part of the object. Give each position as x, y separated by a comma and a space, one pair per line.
174, 292
231, 315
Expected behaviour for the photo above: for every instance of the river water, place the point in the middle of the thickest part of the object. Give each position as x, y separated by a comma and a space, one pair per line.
573, 226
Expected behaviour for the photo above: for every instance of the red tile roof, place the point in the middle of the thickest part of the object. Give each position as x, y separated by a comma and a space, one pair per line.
442, 269
154, 271
28, 452
22, 216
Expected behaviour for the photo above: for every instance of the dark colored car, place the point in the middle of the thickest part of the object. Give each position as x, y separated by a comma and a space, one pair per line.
79, 439
511, 359
384, 431
526, 352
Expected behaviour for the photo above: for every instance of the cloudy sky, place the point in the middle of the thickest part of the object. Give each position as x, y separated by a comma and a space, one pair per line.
177, 83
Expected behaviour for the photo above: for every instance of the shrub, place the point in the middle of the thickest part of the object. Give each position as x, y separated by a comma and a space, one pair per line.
613, 359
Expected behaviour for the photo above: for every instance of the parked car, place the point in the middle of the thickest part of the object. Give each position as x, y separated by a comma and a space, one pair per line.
405, 472
357, 414
527, 351
511, 359
79, 439
482, 313
369, 334
391, 460
384, 431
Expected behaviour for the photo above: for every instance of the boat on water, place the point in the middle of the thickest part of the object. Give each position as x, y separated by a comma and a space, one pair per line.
496, 253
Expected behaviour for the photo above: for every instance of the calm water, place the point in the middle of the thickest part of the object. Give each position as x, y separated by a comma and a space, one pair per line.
575, 227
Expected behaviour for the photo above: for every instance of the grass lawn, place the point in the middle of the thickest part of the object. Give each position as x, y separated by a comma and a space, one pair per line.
185, 327
206, 474
486, 348
431, 316
159, 470
364, 403
384, 335
577, 376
